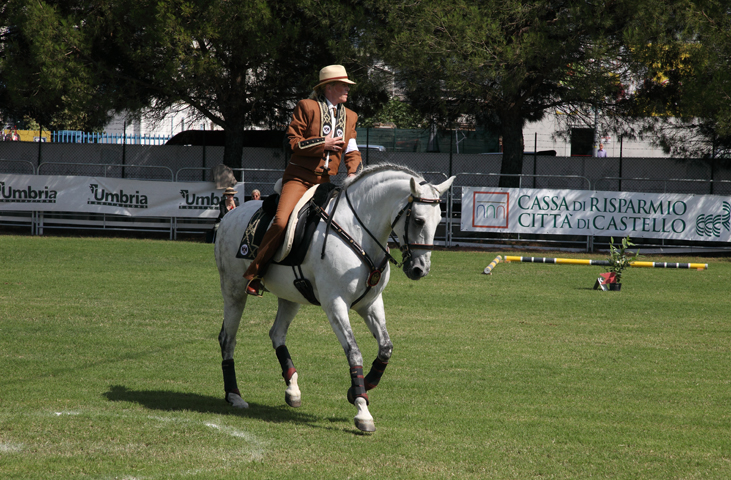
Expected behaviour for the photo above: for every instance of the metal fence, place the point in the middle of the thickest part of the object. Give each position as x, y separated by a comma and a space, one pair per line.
261, 167
74, 136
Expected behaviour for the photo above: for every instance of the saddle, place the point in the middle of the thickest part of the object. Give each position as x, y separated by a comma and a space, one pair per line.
298, 236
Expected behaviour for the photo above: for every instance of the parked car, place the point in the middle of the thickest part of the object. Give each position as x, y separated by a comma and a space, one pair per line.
541, 153
375, 148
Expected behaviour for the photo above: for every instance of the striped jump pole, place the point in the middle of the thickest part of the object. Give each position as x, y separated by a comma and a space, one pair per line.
558, 261
604, 263
697, 266
489, 268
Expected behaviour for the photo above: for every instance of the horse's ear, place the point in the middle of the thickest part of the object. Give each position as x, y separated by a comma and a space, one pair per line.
415, 188
443, 187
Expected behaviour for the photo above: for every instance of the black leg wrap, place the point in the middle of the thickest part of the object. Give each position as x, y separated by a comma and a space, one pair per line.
374, 376
229, 376
357, 388
286, 363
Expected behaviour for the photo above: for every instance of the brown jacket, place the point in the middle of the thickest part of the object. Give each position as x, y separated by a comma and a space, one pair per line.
308, 144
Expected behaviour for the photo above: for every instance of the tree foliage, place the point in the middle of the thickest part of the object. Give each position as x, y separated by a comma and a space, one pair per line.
238, 63
399, 113
501, 62
684, 104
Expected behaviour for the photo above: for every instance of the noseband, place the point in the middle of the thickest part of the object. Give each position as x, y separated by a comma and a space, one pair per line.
406, 247
375, 275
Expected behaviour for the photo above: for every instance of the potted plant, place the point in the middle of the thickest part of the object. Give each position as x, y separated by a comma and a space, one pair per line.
619, 260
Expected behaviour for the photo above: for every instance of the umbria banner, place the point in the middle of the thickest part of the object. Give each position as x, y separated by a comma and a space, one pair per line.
53, 193
581, 212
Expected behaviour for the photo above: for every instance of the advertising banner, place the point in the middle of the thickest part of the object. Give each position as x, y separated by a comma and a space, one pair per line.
579, 212
141, 198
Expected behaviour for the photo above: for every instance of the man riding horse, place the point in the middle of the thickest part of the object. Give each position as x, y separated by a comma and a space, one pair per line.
321, 134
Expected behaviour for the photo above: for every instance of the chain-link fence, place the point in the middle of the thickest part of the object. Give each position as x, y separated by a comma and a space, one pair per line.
262, 167
435, 141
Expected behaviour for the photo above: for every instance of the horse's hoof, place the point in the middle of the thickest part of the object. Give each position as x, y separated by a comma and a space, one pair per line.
293, 401
292, 395
236, 401
364, 420
365, 426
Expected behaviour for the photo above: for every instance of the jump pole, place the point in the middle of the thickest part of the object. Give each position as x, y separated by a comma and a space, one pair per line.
604, 263
697, 266
489, 268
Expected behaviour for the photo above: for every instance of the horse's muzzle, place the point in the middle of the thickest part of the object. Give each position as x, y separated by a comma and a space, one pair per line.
416, 268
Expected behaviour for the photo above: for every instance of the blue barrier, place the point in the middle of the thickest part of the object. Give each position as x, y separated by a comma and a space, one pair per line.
75, 136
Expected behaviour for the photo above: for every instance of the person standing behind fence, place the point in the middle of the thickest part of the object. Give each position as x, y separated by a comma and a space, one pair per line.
601, 153
227, 203
321, 134
255, 195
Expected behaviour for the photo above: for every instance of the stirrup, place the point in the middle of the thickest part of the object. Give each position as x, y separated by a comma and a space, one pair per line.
254, 287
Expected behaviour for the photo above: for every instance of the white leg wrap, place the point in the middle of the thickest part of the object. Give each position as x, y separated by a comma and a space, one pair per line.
363, 420
292, 395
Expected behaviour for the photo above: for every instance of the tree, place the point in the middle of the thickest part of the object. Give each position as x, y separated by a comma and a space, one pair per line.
507, 62
238, 63
397, 112
684, 104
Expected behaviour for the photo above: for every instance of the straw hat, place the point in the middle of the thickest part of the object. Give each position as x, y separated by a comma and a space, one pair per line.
230, 191
333, 73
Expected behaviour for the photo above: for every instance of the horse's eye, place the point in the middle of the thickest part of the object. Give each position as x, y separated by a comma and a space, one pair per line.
419, 221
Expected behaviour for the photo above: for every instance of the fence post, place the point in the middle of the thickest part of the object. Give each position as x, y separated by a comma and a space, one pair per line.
713, 163
40, 140
450, 153
124, 146
535, 157
621, 144
203, 172
368, 143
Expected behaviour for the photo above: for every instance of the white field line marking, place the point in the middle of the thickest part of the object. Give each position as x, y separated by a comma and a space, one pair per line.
58, 414
11, 447
257, 452
257, 446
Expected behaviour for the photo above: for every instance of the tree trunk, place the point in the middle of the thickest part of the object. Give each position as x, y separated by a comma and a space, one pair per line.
512, 132
233, 149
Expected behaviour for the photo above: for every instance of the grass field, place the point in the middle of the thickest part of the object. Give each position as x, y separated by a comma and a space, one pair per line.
110, 368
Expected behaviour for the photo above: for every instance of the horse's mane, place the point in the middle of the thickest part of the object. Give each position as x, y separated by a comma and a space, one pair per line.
380, 167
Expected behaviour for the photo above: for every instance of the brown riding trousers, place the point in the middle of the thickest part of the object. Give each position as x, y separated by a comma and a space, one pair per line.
292, 191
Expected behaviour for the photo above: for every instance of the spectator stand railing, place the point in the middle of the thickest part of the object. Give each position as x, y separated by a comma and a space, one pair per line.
21, 163
714, 187
103, 221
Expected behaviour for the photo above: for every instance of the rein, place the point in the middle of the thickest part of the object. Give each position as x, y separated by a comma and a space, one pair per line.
406, 249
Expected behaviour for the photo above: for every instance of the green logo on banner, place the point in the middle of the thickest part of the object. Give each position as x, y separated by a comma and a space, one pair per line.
711, 225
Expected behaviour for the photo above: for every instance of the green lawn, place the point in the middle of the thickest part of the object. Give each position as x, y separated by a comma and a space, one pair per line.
110, 368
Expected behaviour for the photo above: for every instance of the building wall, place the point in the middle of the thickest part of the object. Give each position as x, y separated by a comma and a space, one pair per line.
546, 140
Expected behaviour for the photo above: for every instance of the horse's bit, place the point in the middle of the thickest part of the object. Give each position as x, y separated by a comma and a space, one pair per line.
375, 272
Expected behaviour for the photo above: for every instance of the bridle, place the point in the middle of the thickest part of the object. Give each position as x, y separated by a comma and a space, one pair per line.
406, 248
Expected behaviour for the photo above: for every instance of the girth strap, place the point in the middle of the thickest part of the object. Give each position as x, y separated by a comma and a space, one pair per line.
374, 277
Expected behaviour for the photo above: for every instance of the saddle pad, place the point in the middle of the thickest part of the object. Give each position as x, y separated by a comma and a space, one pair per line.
292, 225
255, 231
300, 225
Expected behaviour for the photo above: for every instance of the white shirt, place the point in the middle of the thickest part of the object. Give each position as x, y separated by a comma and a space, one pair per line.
352, 144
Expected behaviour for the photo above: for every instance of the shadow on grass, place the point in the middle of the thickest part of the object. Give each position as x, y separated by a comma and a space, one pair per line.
175, 401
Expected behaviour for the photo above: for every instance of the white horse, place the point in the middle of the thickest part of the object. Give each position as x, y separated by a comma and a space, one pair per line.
381, 199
